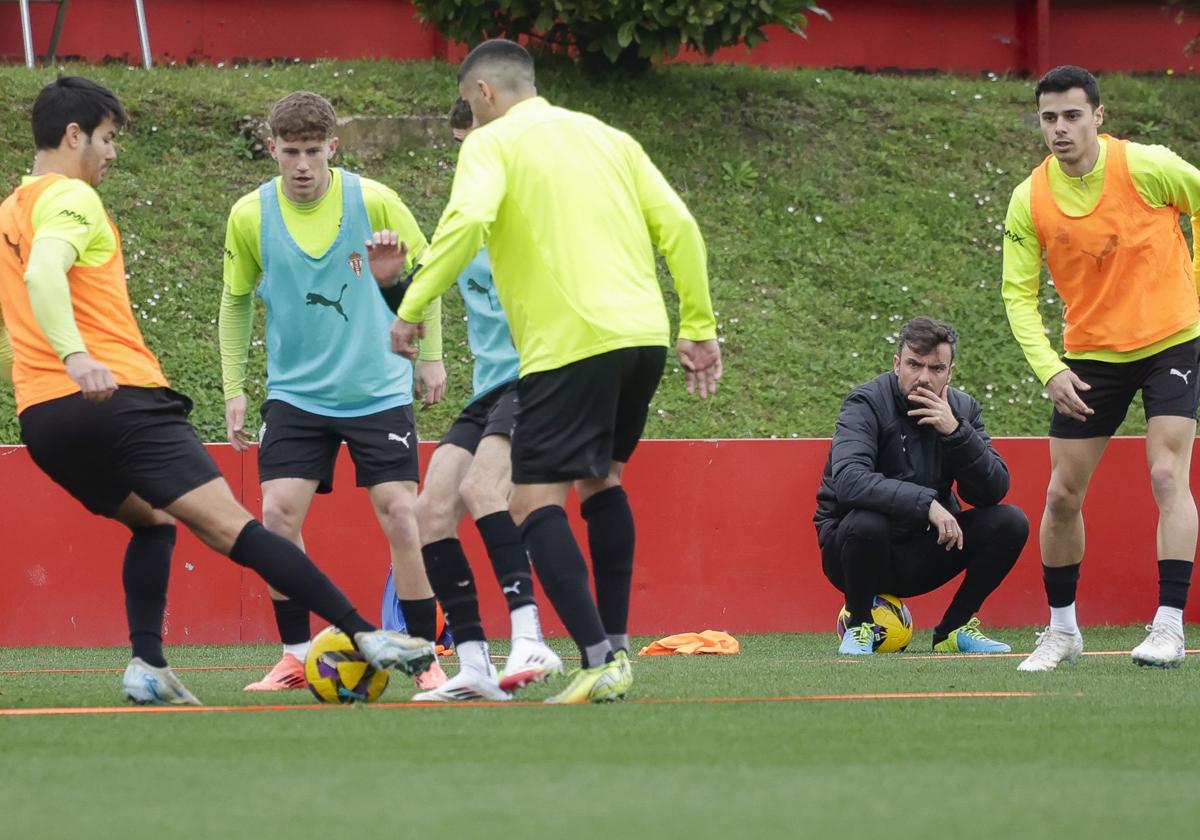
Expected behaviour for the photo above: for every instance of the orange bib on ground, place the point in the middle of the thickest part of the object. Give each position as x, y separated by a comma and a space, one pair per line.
99, 298
1123, 270
707, 641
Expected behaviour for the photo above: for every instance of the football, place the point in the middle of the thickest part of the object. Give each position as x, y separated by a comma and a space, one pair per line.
337, 673
893, 624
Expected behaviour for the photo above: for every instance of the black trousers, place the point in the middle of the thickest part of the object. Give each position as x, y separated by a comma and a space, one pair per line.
862, 560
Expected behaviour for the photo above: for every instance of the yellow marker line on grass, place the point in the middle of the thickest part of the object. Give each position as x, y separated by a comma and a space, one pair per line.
802, 698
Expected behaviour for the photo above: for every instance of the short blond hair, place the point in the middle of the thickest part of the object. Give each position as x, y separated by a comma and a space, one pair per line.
303, 115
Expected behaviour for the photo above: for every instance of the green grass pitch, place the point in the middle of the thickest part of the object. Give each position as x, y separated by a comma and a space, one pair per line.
771, 742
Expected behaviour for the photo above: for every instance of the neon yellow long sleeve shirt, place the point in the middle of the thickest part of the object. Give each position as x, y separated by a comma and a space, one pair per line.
572, 211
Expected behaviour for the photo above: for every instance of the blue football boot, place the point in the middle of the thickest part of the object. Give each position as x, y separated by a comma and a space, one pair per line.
968, 639
858, 641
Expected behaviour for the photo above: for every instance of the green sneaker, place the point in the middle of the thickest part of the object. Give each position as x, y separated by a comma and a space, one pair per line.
968, 639
602, 684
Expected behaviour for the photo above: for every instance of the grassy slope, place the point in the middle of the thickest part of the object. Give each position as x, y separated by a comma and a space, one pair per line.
835, 206
1106, 752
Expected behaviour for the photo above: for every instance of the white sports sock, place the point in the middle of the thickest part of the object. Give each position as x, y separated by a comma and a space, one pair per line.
1171, 617
1063, 619
474, 655
299, 651
525, 624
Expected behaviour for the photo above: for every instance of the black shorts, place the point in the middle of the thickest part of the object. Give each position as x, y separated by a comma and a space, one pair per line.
494, 413
137, 441
1167, 380
294, 443
577, 419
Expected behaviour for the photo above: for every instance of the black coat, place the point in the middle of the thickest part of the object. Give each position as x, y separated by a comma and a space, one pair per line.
881, 460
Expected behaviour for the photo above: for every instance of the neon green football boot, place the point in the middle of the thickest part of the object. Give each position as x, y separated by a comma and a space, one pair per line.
621, 657
601, 684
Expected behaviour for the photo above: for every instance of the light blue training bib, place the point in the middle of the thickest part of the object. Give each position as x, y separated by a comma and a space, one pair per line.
488, 334
328, 345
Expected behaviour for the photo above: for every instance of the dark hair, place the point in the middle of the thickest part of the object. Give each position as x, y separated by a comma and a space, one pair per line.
1067, 77
303, 115
506, 62
460, 114
72, 99
922, 335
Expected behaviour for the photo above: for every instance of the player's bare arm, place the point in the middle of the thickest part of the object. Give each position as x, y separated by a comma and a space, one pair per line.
235, 423
430, 381
701, 363
404, 338
1064, 388
387, 255
94, 378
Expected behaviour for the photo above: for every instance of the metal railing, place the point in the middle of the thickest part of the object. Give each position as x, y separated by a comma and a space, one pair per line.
27, 31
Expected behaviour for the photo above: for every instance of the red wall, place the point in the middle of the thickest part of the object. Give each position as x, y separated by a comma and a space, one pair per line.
224, 30
725, 541
962, 35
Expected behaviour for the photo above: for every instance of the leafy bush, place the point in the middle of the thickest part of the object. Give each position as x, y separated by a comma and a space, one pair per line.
630, 33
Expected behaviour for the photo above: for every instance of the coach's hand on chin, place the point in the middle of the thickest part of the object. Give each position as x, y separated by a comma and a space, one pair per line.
404, 336
94, 378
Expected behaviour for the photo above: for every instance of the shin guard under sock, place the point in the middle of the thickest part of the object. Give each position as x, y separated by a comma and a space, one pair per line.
502, 539
611, 542
145, 574
291, 617
453, 583
563, 573
289, 570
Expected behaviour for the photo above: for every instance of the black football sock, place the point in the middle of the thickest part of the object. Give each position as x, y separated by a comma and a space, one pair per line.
289, 570
1174, 577
561, 569
502, 539
453, 583
611, 540
420, 617
291, 617
1060, 583
144, 575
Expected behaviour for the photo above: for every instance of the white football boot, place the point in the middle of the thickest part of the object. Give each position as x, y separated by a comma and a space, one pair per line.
1054, 647
529, 661
1163, 648
386, 649
467, 684
149, 686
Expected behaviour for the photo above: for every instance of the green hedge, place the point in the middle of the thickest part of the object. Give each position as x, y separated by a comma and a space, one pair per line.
628, 32
834, 206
